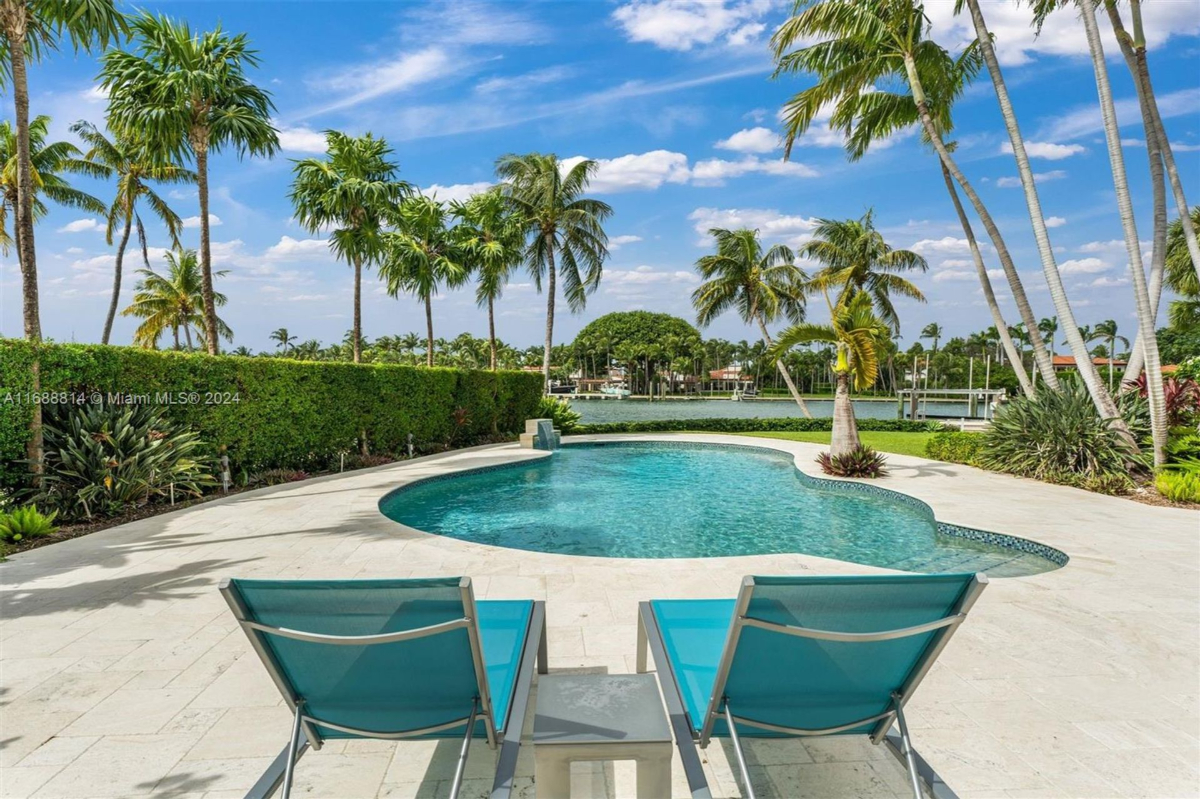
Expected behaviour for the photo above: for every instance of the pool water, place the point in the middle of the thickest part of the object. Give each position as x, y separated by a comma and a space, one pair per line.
650, 500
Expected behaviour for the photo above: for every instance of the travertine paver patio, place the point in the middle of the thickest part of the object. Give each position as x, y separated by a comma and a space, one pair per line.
124, 674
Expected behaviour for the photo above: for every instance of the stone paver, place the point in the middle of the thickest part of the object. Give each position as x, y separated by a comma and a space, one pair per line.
124, 675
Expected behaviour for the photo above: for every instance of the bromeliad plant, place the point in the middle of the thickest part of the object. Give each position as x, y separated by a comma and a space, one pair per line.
23, 523
105, 459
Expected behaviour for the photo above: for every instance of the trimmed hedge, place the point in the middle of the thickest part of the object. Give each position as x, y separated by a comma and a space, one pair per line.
955, 446
787, 424
273, 412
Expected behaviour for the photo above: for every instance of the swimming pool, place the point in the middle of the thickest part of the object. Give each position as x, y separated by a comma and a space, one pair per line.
683, 500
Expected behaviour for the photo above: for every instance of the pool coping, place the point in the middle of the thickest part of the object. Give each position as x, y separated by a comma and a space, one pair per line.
1004, 540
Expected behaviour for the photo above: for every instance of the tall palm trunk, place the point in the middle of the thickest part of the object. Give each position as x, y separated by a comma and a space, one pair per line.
844, 437
492, 335
200, 146
429, 330
116, 292
1112, 134
985, 282
783, 370
187, 332
551, 279
357, 332
175, 330
1044, 364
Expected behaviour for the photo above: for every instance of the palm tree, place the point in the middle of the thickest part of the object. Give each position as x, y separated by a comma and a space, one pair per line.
283, 339
492, 238
865, 45
567, 229
1133, 249
856, 258
135, 164
48, 162
29, 29
354, 188
856, 333
1049, 329
422, 255
188, 95
1107, 331
762, 287
932, 331
174, 301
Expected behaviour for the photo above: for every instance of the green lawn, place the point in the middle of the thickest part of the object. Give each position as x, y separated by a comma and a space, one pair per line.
898, 443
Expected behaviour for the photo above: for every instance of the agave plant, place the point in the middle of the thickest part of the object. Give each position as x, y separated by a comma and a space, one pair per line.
105, 459
858, 462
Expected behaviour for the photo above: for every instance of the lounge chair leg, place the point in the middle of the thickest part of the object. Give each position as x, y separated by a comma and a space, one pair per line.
643, 646
462, 754
293, 753
543, 652
741, 756
906, 746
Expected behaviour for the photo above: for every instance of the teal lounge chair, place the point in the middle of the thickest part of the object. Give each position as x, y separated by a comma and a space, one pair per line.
803, 656
393, 659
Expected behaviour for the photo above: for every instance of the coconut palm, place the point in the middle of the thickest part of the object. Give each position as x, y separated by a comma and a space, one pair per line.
762, 287
856, 334
188, 95
174, 301
135, 164
856, 258
863, 47
567, 235
283, 340
49, 162
1185, 311
932, 331
422, 255
1133, 248
1049, 329
1107, 331
492, 238
353, 189
28, 30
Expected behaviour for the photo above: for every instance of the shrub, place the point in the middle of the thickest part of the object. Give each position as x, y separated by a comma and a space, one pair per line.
1178, 486
954, 446
1058, 437
1183, 448
102, 460
860, 462
24, 523
565, 418
787, 424
1181, 396
274, 477
269, 412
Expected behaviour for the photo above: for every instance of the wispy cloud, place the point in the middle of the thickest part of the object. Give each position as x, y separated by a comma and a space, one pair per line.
362, 82
1085, 120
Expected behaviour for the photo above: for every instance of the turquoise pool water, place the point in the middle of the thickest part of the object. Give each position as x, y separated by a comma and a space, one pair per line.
647, 500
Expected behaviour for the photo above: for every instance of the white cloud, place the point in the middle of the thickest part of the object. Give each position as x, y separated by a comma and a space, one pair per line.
751, 140
1106, 282
1045, 149
770, 223
953, 275
510, 84
400, 73
617, 242
684, 24
290, 248
1083, 266
641, 171
301, 139
459, 192
714, 171
80, 225
946, 244
1038, 177
1084, 120
1055, 221
636, 282
190, 222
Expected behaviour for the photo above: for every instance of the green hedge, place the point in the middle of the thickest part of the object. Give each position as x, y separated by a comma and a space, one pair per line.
955, 446
791, 425
287, 414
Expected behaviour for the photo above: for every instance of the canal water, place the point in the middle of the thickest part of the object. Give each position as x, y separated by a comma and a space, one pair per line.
629, 410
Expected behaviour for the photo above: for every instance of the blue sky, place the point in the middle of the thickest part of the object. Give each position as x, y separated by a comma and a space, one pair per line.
675, 98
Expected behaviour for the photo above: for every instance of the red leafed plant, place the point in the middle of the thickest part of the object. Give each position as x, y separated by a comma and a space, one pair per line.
1182, 397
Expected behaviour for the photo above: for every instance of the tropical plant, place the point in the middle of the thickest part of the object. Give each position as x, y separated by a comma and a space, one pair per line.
1184, 313
173, 301
858, 462
492, 237
25, 522
856, 332
354, 189
28, 30
105, 459
954, 446
761, 286
1181, 399
422, 255
856, 49
856, 258
932, 331
1056, 436
135, 164
1107, 331
283, 340
560, 412
187, 94
567, 235
1178, 486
